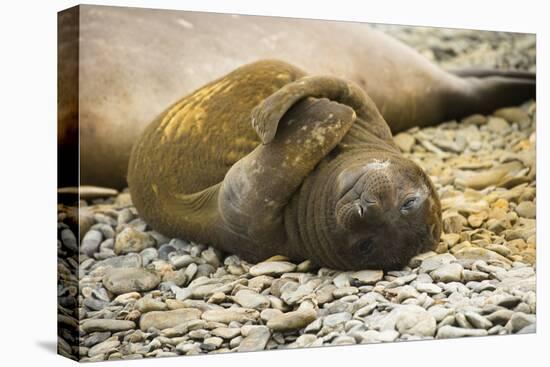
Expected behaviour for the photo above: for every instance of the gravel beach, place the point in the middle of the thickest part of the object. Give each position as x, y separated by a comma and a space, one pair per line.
130, 292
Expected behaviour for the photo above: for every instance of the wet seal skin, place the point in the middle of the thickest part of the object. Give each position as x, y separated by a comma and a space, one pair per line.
268, 160
126, 81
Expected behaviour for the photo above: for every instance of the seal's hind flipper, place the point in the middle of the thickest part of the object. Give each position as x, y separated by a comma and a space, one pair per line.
494, 92
484, 73
486, 90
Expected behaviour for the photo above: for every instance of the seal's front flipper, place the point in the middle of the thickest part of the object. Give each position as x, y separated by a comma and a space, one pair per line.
257, 188
267, 115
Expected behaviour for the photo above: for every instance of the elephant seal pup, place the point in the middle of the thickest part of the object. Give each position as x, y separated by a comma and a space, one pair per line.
126, 81
269, 161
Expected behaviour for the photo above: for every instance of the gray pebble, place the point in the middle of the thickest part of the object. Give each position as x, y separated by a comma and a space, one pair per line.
478, 321
92, 325
90, 242
448, 331
256, 340
448, 273
125, 280
69, 240
251, 299
520, 320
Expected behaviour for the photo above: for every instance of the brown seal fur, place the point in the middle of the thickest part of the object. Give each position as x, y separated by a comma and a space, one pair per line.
135, 62
267, 160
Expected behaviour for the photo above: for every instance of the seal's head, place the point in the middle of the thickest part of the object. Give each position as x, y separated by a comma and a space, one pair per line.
386, 211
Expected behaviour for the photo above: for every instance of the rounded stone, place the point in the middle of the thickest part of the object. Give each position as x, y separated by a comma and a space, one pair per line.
91, 241
251, 299
256, 340
448, 273
147, 304
448, 331
132, 240
226, 316
272, 268
92, 325
168, 319
293, 320
226, 332
404, 141
526, 209
497, 125
125, 280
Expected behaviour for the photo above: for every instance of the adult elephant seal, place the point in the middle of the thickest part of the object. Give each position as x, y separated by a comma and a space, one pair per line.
132, 63
269, 161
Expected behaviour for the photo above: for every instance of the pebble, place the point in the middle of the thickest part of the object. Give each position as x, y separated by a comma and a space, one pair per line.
512, 114
128, 261
529, 329
226, 316
182, 261
448, 331
95, 338
314, 327
92, 325
251, 299
272, 268
293, 320
305, 340
478, 321
132, 240
477, 253
500, 317
256, 340
520, 320
526, 209
497, 125
429, 288
417, 260
410, 319
448, 273
103, 348
226, 332
91, 241
125, 280
147, 304
165, 250
433, 262
404, 141
473, 275
475, 119
337, 318
270, 313
168, 319
69, 240
374, 336
439, 312
212, 343
405, 293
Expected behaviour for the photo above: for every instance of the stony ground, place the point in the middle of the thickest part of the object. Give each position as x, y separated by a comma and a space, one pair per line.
139, 294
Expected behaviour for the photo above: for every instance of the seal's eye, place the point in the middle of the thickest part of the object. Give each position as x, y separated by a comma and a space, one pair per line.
409, 203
